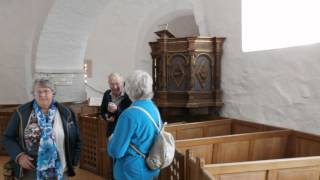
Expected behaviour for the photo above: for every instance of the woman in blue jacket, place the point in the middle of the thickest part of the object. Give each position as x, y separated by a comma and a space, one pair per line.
43, 137
134, 127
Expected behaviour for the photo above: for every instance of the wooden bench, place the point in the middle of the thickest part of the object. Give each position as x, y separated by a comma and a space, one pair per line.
223, 126
220, 127
229, 148
291, 166
303, 168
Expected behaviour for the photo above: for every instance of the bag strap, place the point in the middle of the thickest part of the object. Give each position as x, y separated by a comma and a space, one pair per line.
150, 117
153, 122
137, 150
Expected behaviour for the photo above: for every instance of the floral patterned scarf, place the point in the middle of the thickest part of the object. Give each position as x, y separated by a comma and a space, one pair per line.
48, 162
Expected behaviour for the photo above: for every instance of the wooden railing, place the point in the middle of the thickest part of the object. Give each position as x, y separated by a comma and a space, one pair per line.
94, 157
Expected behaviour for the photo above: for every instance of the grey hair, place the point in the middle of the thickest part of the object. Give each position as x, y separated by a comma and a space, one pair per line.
44, 82
138, 85
115, 75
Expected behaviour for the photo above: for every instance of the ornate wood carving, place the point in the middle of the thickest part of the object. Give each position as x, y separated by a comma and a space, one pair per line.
177, 69
186, 72
203, 69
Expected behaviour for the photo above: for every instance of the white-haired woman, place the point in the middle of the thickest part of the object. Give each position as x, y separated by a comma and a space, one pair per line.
134, 127
42, 137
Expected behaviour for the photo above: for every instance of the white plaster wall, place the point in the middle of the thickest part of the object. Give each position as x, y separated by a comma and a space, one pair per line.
120, 39
200, 16
278, 87
52, 41
44, 38
21, 22
181, 23
62, 45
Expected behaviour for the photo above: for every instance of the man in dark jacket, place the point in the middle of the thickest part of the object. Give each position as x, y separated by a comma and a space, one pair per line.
115, 100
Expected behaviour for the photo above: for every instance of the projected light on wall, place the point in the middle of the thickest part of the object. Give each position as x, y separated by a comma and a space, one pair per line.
273, 24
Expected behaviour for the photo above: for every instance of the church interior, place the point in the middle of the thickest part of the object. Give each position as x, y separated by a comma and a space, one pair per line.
241, 104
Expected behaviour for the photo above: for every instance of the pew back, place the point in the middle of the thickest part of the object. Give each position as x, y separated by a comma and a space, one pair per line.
218, 127
294, 168
301, 144
306, 168
229, 148
236, 148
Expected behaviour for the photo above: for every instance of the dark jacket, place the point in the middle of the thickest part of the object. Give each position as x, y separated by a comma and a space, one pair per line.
13, 138
126, 102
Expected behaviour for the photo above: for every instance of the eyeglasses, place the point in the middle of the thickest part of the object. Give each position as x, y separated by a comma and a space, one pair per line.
44, 92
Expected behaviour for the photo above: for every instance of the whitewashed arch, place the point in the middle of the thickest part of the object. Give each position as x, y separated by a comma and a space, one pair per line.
64, 38
62, 43
119, 31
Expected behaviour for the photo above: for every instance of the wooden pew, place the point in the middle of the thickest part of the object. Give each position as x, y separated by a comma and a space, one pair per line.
302, 144
240, 126
303, 168
293, 168
220, 127
241, 147
230, 148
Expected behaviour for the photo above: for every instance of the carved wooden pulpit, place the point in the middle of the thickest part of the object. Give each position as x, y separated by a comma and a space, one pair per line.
186, 74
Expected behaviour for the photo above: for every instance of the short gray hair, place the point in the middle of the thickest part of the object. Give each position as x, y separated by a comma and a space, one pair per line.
138, 85
115, 75
44, 82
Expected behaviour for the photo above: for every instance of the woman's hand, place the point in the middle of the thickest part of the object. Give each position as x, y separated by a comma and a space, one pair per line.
26, 162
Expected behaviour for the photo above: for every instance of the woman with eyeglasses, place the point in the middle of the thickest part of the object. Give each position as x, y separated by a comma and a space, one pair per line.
43, 137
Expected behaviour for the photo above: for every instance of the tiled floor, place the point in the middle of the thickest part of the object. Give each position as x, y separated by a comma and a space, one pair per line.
81, 174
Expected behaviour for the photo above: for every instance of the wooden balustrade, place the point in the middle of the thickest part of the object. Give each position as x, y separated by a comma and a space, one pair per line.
94, 157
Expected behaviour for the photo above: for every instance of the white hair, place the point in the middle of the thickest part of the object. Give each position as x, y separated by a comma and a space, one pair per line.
138, 85
115, 75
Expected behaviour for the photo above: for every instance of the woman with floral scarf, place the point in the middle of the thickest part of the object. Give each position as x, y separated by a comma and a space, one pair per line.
42, 137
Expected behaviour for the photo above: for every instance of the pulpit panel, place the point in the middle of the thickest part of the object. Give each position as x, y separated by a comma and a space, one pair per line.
177, 73
203, 73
